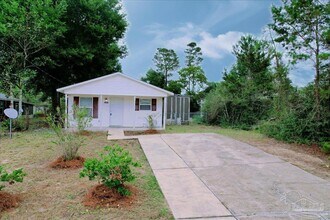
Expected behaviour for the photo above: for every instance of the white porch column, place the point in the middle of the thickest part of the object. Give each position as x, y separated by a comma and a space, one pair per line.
172, 103
165, 112
100, 111
183, 108
66, 112
134, 101
188, 98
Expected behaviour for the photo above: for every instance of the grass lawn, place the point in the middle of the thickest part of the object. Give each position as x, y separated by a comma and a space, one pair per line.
57, 194
196, 128
308, 158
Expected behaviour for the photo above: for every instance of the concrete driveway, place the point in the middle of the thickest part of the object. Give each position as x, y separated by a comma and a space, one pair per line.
209, 176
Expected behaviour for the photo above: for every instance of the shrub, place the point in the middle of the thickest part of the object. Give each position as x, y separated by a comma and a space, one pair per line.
113, 168
82, 118
39, 115
16, 124
69, 142
11, 178
197, 119
150, 120
326, 147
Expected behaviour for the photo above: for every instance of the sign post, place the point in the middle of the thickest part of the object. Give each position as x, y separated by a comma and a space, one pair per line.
11, 114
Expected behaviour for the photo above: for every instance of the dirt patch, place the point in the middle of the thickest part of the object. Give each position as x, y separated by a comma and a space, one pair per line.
103, 196
60, 163
8, 201
84, 133
145, 132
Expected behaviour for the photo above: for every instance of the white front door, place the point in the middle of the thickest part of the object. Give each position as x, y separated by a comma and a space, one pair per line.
116, 111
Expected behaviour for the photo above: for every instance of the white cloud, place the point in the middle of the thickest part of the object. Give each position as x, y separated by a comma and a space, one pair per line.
215, 47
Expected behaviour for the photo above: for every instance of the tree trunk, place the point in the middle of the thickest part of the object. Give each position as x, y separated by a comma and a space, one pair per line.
317, 89
11, 95
165, 86
20, 102
317, 75
55, 100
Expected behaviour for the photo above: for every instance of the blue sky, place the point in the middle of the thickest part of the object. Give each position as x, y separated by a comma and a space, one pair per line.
215, 26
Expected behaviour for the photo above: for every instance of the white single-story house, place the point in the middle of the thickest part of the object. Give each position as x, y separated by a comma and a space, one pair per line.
117, 100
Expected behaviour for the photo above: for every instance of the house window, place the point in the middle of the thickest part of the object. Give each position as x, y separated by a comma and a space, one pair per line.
145, 104
87, 103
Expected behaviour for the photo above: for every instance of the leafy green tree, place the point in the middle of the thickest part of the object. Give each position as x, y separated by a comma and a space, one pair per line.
282, 86
174, 86
192, 74
154, 78
191, 77
89, 48
28, 27
244, 97
303, 29
166, 62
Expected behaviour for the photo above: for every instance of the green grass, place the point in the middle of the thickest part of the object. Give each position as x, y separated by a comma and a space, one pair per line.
197, 128
58, 194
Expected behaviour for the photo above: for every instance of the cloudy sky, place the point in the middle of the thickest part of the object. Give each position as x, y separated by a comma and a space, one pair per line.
215, 25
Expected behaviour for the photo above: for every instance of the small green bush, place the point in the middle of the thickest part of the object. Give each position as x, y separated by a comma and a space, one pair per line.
69, 142
326, 147
11, 178
113, 168
82, 118
150, 120
39, 115
16, 124
197, 119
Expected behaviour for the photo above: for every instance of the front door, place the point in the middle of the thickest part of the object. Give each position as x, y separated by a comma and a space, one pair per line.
116, 111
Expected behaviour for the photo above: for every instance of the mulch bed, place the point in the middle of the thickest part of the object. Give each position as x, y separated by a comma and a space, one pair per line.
60, 163
84, 133
145, 132
102, 196
8, 201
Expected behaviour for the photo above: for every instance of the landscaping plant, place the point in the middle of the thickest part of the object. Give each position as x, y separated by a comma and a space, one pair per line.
150, 120
68, 141
11, 178
326, 147
112, 169
82, 118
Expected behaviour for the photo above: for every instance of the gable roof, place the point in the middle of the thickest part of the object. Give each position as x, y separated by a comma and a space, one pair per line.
73, 89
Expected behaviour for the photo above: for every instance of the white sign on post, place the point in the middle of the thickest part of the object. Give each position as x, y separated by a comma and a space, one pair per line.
11, 114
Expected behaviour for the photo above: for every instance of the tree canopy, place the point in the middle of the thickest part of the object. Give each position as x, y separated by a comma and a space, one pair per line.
90, 46
166, 61
244, 96
27, 28
154, 78
303, 29
192, 75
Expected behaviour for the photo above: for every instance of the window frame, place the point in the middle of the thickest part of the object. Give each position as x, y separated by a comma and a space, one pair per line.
92, 108
140, 104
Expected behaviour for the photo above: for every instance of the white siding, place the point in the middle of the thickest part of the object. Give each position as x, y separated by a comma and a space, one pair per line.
138, 119
131, 118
